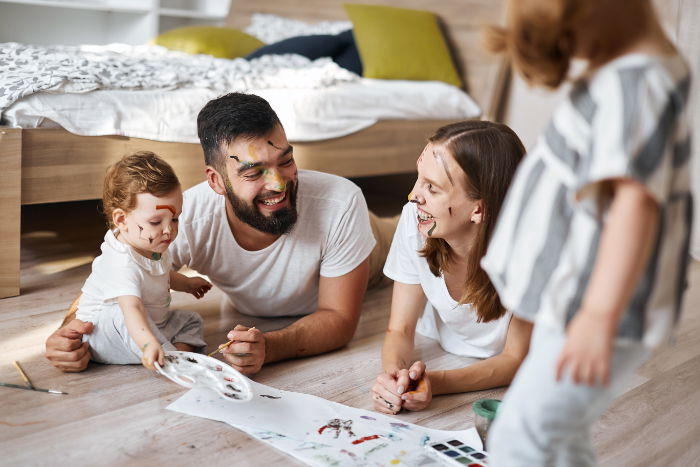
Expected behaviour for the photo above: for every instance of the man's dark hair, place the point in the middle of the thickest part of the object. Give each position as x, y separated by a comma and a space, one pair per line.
226, 118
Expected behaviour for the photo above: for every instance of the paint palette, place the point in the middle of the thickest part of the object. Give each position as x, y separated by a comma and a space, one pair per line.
457, 453
191, 369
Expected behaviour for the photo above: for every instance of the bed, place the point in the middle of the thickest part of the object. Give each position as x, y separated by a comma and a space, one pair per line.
44, 165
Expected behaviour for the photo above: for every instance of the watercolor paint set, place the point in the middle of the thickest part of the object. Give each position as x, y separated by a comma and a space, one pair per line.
457, 453
191, 369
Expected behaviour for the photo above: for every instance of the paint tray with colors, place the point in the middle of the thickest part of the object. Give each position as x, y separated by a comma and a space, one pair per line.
457, 453
191, 369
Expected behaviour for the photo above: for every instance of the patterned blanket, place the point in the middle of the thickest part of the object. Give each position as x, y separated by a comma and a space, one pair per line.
27, 69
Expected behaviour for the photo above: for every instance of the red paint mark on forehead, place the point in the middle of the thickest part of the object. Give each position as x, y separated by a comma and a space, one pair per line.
169, 207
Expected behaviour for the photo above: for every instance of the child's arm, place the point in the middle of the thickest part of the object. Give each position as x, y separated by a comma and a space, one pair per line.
136, 323
193, 285
407, 304
625, 246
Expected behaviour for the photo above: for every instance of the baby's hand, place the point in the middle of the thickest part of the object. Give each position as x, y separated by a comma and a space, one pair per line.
198, 286
152, 351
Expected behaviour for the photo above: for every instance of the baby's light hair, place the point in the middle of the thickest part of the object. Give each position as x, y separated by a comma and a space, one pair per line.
141, 172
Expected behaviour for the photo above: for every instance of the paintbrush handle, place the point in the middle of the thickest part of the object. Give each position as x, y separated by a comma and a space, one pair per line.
18, 386
226, 344
23, 374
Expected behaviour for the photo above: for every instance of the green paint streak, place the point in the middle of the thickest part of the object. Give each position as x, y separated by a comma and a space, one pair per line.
430, 232
155, 256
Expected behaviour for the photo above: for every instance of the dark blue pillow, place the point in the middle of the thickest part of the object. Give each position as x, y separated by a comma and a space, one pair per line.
349, 57
340, 47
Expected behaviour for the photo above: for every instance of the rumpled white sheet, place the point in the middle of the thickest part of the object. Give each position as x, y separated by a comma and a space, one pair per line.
306, 114
26, 69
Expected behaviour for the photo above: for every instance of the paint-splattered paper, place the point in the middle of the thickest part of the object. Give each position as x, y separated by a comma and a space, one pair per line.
320, 432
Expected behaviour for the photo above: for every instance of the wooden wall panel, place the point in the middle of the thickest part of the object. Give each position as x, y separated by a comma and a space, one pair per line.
10, 196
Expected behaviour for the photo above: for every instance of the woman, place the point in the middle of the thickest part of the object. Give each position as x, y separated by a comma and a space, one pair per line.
463, 175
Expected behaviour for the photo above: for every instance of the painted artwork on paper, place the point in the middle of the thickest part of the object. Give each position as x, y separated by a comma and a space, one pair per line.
320, 432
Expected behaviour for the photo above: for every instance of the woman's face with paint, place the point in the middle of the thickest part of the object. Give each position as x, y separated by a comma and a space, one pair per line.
444, 207
262, 179
152, 225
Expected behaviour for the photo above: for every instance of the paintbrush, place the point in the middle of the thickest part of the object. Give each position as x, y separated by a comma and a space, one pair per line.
17, 386
226, 344
23, 374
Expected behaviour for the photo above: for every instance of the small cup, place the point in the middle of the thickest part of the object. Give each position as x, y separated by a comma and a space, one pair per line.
484, 413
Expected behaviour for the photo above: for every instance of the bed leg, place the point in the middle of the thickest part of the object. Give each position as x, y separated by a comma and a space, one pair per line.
10, 208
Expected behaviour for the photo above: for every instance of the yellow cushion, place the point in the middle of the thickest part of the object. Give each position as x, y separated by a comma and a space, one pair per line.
219, 42
398, 43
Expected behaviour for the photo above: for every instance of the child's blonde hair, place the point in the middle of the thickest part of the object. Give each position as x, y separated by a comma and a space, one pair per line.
141, 172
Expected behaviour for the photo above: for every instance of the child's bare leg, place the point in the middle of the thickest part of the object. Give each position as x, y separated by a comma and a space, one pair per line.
184, 347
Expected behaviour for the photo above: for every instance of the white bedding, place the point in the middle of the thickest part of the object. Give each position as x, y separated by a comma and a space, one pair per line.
307, 114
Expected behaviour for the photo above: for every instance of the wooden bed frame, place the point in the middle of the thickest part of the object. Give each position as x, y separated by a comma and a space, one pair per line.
52, 165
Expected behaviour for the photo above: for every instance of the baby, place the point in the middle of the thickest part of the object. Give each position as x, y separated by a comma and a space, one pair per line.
127, 295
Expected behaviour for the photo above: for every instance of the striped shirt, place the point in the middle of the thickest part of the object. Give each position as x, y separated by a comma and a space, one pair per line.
627, 120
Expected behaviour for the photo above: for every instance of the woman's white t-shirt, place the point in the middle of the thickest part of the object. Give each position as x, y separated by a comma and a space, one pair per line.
454, 326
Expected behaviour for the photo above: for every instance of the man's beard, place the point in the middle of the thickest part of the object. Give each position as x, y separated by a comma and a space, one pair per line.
278, 223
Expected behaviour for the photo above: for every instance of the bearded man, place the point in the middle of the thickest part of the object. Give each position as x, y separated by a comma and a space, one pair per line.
276, 240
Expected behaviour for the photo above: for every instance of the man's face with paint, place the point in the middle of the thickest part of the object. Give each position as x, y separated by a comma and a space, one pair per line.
444, 207
153, 224
261, 182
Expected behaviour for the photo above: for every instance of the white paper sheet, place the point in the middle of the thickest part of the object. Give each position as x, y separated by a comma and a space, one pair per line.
321, 432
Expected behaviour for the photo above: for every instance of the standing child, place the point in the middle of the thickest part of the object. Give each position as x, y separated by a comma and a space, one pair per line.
592, 242
127, 295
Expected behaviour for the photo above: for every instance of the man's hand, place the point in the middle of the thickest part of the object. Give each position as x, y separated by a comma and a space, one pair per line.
247, 351
197, 286
65, 349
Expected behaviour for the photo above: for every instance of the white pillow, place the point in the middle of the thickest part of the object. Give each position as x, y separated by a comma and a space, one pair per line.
273, 28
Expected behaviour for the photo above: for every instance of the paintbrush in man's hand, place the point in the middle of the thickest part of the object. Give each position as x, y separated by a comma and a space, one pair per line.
226, 344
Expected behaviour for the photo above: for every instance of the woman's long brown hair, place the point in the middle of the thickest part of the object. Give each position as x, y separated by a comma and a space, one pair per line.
488, 153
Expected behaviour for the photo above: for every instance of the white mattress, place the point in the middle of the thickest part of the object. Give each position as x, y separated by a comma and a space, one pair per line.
307, 114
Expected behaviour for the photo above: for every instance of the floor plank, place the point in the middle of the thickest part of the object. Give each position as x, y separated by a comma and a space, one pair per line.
116, 414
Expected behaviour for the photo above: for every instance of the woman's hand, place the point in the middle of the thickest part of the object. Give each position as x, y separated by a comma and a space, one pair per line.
385, 396
419, 392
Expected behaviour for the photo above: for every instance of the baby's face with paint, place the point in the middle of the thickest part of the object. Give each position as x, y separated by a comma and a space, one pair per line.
444, 207
262, 179
152, 225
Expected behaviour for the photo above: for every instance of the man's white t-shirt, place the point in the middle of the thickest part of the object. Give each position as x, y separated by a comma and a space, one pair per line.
331, 237
455, 326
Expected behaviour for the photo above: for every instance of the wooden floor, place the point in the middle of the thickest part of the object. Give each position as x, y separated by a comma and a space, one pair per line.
115, 415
